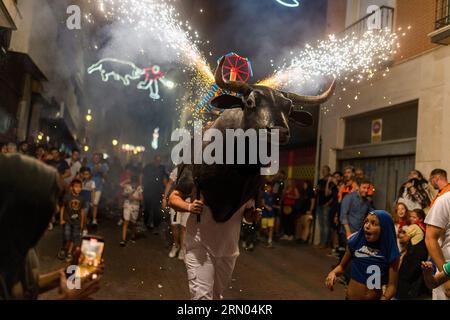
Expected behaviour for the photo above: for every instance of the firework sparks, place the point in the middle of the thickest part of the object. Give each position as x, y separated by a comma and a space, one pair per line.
350, 58
161, 19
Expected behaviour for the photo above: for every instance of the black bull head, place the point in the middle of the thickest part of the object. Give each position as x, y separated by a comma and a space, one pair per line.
266, 108
227, 187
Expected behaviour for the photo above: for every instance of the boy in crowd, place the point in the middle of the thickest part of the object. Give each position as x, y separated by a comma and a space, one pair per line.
87, 190
72, 219
268, 214
133, 193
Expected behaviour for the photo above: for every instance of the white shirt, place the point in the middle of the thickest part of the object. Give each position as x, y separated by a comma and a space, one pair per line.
220, 239
74, 169
439, 216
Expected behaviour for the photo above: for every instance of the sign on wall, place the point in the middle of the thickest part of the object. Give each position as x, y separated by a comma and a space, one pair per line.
377, 130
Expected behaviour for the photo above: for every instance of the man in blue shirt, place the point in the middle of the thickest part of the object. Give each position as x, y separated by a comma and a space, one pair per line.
99, 171
354, 208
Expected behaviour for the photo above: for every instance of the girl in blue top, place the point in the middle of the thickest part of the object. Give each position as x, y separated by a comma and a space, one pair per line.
374, 258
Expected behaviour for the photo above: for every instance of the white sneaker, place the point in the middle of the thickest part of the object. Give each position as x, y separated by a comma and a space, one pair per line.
284, 237
173, 252
85, 232
181, 255
120, 223
50, 226
94, 222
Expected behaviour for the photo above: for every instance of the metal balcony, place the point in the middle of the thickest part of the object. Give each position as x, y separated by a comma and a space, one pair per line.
386, 21
441, 35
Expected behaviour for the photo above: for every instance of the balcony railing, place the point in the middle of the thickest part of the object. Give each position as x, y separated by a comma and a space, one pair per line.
384, 18
442, 13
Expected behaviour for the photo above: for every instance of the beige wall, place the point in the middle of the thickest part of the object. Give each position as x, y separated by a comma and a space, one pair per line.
426, 78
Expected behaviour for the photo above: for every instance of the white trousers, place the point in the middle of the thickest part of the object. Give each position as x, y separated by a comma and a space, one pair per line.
208, 276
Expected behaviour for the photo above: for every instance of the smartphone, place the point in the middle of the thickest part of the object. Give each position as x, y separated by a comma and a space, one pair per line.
91, 254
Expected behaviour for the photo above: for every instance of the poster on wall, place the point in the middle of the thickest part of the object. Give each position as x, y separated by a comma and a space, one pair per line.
377, 130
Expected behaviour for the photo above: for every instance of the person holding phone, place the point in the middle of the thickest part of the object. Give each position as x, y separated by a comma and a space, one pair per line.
24, 217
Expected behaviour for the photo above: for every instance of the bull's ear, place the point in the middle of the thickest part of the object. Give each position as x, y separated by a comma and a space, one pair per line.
302, 118
227, 102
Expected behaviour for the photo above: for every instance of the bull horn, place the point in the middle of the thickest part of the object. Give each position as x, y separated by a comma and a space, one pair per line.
232, 86
298, 99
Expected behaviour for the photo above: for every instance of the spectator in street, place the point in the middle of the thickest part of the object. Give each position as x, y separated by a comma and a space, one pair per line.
268, 214
415, 195
29, 211
41, 153
133, 194
414, 174
155, 179
73, 218
437, 237
333, 193
305, 206
373, 247
400, 217
438, 179
349, 184
278, 184
99, 171
410, 280
87, 189
59, 164
112, 187
355, 208
324, 201
288, 216
24, 148
178, 220
74, 165
11, 147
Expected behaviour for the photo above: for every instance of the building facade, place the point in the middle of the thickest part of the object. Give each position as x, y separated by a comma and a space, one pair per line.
400, 121
41, 74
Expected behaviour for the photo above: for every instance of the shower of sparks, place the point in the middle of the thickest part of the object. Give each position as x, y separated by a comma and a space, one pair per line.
161, 19
350, 58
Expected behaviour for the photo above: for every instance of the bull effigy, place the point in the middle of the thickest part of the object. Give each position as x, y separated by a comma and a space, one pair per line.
257, 107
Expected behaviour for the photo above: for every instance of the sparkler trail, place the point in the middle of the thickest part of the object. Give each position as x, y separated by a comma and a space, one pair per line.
350, 58
161, 20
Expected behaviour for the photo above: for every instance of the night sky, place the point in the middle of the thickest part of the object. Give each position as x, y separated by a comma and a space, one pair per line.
258, 29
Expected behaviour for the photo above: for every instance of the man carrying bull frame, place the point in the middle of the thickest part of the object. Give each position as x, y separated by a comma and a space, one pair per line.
211, 247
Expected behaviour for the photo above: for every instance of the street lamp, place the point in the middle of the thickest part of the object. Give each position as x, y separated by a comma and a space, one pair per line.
86, 148
88, 118
115, 142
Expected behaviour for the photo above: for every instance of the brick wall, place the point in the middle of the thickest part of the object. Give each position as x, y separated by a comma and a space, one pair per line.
420, 15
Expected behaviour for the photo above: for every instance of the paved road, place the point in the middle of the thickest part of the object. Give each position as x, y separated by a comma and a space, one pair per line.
144, 271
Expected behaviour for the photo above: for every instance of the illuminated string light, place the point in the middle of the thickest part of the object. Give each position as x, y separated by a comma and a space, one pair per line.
292, 4
126, 71
155, 139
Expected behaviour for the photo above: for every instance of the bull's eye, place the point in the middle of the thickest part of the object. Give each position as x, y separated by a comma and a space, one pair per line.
250, 102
